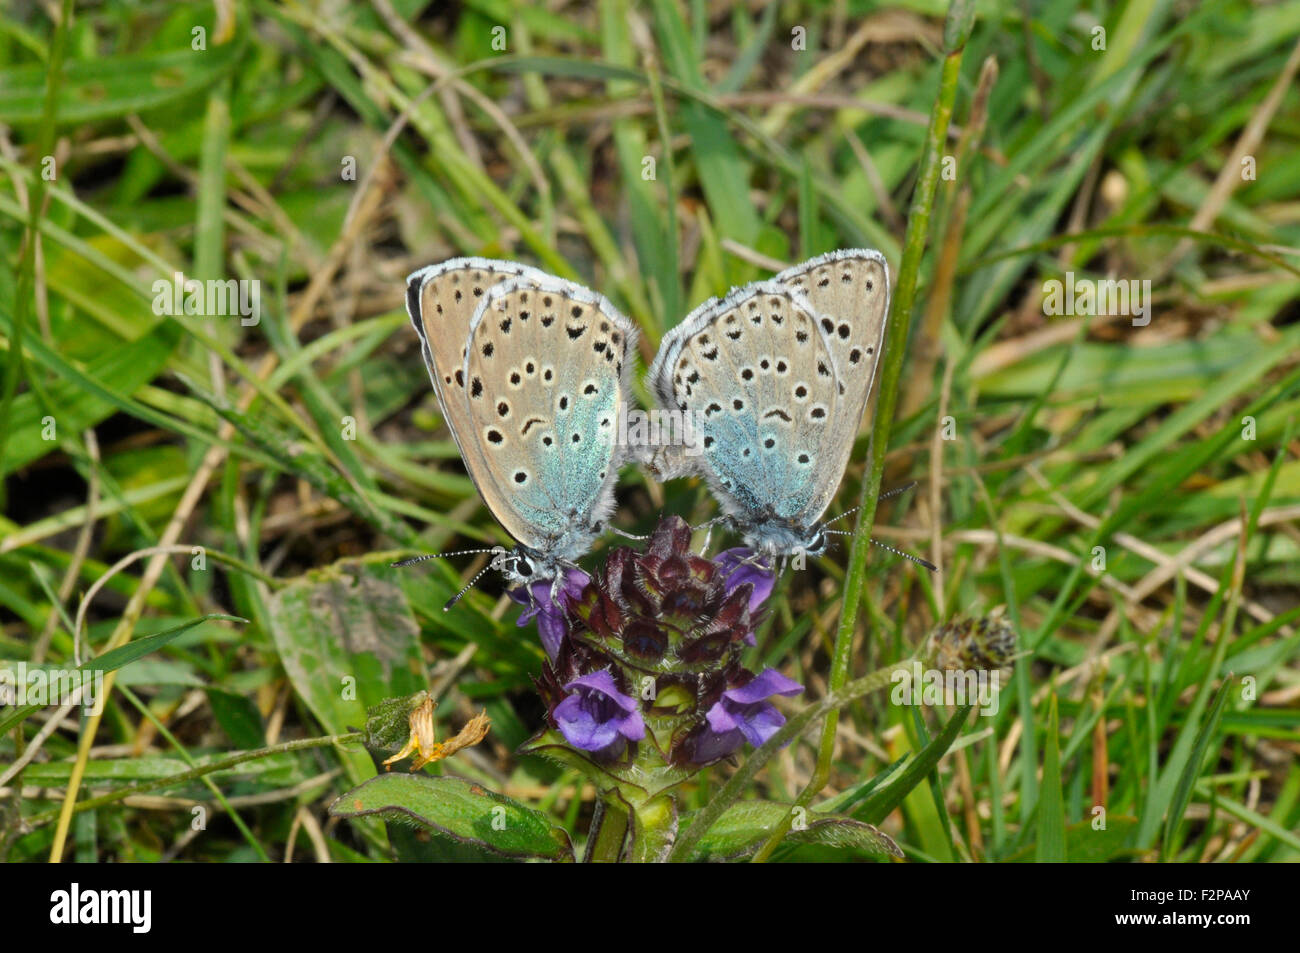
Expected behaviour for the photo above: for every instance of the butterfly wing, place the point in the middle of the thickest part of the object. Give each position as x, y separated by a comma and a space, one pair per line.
441, 300
756, 375
547, 370
849, 290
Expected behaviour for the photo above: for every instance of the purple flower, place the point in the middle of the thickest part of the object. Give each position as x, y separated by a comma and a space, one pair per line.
597, 716
552, 620
743, 714
739, 568
738, 571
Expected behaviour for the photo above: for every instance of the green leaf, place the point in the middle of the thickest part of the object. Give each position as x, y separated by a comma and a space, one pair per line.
1051, 805
348, 640
113, 85
123, 368
461, 810
138, 648
1084, 845
1183, 793
635, 785
720, 167
112, 660
744, 826
652, 830
882, 802
238, 718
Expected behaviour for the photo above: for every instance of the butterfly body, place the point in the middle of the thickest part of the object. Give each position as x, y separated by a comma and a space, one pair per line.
530, 371
775, 376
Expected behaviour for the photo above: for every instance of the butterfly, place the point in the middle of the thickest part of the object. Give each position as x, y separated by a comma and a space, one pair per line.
531, 372
775, 378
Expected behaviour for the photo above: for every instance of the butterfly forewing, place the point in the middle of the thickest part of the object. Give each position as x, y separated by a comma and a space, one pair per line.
757, 377
545, 373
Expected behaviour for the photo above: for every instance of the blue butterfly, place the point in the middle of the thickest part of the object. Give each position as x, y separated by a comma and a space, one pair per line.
775, 378
531, 372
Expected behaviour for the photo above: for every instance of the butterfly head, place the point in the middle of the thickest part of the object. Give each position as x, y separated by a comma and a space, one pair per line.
523, 566
778, 538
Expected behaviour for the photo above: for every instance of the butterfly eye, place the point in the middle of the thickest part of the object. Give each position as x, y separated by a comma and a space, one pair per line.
817, 543
524, 567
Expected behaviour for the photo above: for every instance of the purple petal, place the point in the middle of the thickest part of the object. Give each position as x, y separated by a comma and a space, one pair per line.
552, 620
531, 605
760, 722
711, 746
580, 728
574, 583
601, 681
738, 572
721, 718
552, 627
632, 726
767, 683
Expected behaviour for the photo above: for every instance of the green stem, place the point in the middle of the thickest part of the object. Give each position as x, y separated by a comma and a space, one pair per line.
353, 737
738, 782
26, 266
957, 29
208, 782
608, 831
654, 829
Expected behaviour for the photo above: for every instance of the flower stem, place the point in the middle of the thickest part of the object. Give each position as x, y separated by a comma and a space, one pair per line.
739, 781
957, 27
194, 773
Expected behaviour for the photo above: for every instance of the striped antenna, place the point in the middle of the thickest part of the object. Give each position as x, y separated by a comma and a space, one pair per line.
459, 552
897, 552
496, 563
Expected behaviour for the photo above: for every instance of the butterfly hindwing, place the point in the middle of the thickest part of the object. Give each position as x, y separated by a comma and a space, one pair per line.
546, 371
756, 375
849, 290
441, 300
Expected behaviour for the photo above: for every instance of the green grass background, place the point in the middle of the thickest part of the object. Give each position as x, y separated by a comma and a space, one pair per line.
302, 453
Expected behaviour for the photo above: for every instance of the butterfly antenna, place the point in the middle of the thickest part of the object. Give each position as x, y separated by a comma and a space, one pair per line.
836, 519
897, 552
916, 559
427, 556
895, 491
492, 564
883, 496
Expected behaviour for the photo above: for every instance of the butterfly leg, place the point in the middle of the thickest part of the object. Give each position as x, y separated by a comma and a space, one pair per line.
556, 588
758, 561
708, 527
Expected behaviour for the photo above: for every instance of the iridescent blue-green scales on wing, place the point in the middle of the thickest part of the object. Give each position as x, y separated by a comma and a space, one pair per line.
776, 377
519, 358
546, 369
757, 376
